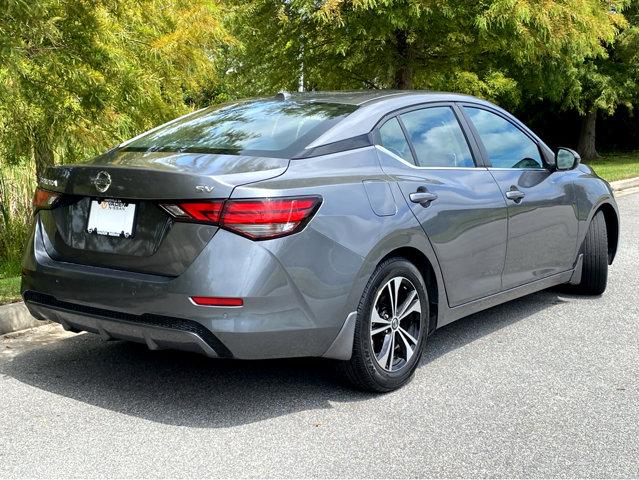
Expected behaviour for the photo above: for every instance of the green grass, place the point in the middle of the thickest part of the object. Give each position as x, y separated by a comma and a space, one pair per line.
17, 183
9, 290
617, 166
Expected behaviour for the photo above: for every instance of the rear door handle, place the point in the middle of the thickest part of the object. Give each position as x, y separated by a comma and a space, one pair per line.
422, 197
515, 195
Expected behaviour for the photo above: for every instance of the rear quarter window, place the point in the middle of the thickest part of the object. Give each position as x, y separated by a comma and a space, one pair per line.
392, 138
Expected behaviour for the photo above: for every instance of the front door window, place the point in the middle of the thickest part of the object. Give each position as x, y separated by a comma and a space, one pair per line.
506, 145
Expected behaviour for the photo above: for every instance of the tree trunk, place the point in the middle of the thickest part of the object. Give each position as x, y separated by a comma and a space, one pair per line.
43, 153
587, 137
405, 54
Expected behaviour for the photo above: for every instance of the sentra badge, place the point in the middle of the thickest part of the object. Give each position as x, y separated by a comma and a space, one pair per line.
48, 182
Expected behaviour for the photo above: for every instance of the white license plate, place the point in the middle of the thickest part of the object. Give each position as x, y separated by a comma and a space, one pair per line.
114, 218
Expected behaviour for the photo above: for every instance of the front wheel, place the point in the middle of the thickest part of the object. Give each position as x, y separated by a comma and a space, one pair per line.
594, 276
391, 328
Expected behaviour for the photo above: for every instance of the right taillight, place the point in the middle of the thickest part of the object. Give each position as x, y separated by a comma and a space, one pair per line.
258, 219
44, 199
268, 217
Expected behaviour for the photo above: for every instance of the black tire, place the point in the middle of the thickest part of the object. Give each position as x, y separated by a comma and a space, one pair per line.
594, 276
363, 370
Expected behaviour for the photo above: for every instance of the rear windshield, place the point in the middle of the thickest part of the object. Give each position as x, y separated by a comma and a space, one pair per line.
274, 128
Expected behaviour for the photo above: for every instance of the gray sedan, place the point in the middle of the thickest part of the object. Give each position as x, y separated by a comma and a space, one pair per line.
340, 225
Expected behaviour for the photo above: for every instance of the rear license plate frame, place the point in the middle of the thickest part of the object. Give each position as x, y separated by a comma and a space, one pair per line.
122, 216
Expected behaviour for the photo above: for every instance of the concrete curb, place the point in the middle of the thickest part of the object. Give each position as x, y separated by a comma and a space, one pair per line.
620, 185
14, 317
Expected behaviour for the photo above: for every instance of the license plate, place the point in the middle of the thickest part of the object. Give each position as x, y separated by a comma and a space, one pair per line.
110, 217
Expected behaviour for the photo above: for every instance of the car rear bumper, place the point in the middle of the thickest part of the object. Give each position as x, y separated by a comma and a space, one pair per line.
274, 322
157, 332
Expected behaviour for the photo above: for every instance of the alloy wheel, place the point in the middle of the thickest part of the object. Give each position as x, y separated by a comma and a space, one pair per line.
395, 324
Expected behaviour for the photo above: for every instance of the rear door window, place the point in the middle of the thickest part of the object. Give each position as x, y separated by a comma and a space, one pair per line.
437, 138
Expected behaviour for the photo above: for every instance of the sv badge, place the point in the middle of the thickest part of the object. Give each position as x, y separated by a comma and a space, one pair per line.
204, 188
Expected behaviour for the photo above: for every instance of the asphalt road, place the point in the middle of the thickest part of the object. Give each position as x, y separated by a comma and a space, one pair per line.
547, 385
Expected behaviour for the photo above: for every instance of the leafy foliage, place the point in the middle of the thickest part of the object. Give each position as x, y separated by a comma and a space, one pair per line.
498, 49
17, 183
611, 80
77, 76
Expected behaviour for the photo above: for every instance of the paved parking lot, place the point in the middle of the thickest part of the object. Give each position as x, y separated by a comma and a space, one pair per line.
547, 385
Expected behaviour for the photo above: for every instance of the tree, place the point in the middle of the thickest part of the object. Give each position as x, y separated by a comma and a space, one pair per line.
77, 76
608, 82
498, 49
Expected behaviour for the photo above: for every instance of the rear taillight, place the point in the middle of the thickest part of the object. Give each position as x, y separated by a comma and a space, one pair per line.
44, 199
268, 217
258, 219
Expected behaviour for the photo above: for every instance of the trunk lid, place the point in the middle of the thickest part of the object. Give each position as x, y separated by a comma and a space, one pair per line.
158, 245
161, 175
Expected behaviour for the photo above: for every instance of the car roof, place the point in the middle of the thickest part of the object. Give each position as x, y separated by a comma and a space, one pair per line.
368, 97
372, 106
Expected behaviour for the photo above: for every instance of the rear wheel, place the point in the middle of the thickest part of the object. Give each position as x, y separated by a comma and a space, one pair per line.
594, 276
391, 328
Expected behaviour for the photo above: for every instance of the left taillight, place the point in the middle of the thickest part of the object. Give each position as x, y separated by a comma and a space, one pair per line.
257, 219
45, 199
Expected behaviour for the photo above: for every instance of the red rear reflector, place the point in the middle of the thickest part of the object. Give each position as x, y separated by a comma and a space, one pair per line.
218, 301
44, 199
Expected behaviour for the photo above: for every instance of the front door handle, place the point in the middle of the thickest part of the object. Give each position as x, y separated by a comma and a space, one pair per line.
515, 195
422, 197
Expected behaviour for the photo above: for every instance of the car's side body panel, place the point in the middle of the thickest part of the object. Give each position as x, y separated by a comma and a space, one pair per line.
466, 224
542, 227
542, 223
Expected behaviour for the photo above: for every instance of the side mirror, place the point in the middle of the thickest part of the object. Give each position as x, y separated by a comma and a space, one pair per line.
566, 159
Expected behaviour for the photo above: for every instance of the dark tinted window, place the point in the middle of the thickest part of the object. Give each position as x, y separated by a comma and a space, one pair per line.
506, 145
263, 127
437, 138
393, 138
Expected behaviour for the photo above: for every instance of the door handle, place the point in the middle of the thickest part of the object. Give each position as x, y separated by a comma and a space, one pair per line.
422, 197
515, 195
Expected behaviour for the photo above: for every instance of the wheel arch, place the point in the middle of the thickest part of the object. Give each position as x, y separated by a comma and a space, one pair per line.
612, 228
611, 218
341, 348
426, 269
